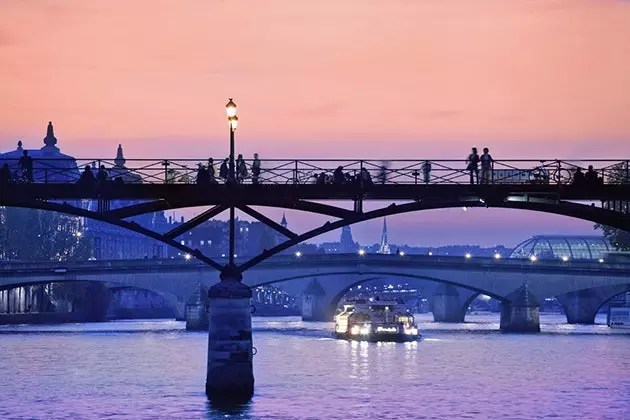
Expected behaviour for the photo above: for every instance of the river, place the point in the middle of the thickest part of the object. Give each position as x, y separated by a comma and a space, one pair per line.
156, 370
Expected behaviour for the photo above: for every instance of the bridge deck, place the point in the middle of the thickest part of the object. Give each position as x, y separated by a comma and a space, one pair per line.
260, 194
62, 269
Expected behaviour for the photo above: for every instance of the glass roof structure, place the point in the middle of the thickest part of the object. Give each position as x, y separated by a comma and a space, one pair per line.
563, 246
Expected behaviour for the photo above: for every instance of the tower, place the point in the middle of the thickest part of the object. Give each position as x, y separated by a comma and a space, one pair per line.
283, 222
346, 243
384, 247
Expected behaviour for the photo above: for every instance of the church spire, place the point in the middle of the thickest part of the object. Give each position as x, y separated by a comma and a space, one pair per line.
384, 248
120, 158
283, 222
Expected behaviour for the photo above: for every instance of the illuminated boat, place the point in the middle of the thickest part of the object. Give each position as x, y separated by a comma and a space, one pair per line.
375, 320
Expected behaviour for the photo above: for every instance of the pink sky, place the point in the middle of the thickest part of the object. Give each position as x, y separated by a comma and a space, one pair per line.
316, 79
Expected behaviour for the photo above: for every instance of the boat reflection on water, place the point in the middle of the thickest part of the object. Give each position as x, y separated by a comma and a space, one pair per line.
375, 320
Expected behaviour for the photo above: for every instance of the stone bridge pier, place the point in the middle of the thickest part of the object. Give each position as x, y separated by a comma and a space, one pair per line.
520, 312
581, 306
450, 303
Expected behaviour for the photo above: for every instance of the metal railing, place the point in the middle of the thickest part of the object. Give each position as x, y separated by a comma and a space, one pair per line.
317, 171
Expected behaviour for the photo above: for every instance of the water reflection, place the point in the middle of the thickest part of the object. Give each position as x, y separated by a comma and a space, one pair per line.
155, 369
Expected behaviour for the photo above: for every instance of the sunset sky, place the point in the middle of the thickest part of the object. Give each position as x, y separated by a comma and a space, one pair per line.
325, 79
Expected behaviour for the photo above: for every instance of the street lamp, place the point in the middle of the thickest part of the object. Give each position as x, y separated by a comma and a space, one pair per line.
230, 110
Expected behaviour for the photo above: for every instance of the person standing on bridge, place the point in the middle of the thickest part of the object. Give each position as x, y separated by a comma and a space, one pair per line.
486, 166
426, 171
101, 175
255, 169
25, 163
241, 169
473, 166
211, 171
223, 170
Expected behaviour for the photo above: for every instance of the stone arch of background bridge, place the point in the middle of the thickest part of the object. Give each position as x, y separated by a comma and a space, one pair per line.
175, 299
177, 305
347, 217
325, 290
582, 306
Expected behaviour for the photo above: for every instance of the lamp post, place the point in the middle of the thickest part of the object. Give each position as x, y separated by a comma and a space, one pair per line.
230, 109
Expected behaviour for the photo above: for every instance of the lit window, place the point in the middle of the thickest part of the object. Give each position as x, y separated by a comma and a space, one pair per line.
183, 242
201, 242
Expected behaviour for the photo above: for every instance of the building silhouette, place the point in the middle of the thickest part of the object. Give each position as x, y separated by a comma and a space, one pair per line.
106, 241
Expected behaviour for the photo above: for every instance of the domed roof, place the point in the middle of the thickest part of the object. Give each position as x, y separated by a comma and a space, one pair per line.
49, 164
563, 246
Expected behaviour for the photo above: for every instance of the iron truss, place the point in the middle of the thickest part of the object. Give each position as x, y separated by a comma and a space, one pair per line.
66, 198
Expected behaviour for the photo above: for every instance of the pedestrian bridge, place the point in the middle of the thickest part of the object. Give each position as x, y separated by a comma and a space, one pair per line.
322, 280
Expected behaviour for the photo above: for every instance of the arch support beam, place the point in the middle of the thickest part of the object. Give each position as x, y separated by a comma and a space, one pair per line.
133, 226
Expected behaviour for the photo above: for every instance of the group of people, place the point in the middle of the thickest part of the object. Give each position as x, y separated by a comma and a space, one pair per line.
101, 177
339, 177
588, 179
206, 174
24, 172
474, 160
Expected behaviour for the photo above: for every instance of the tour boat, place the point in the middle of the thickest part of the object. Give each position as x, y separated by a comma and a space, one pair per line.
375, 320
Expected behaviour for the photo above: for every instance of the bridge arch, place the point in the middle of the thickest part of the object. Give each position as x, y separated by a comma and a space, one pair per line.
335, 291
177, 303
581, 306
611, 297
170, 300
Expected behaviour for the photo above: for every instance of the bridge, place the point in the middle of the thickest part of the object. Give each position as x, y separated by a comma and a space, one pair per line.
123, 189
582, 287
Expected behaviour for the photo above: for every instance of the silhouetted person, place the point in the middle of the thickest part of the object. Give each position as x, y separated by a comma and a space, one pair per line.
87, 177
426, 171
590, 177
473, 166
224, 170
203, 177
365, 177
241, 169
102, 176
5, 174
212, 173
26, 165
382, 173
321, 178
578, 177
338, 177
255, 169
486, 166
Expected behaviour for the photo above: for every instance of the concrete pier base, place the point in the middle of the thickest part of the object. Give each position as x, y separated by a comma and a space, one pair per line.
315, 305
230, 378
521, 313
447, 305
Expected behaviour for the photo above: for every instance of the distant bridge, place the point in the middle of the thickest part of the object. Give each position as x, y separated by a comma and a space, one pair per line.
581, 286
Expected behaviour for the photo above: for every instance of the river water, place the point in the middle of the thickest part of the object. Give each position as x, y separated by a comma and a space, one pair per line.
156, 370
